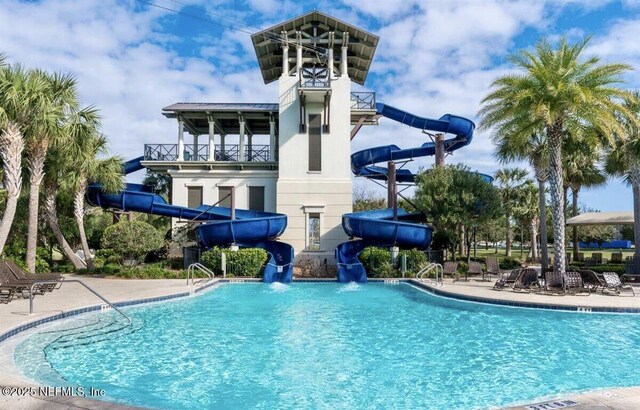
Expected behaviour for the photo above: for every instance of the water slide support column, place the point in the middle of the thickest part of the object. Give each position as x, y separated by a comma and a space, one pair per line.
285, 55
195, 148
180, 139
439, 150
392, 201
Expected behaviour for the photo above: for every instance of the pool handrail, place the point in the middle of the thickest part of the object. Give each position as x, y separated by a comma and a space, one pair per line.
89, 288
191, 271
428, 269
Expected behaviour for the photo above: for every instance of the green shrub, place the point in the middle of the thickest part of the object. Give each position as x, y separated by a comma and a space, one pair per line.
132, 240
243, 262
617, 268
416, 260
509, 262
374, 258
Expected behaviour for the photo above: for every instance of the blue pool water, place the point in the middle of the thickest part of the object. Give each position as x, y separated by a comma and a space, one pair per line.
332, 346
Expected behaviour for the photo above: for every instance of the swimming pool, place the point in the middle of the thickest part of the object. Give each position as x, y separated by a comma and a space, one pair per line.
331, 345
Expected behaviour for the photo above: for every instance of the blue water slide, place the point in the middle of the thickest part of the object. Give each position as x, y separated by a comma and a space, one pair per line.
379, 227
249, 228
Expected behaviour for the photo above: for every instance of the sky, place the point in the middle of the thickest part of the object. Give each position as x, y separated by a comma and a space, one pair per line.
434, 57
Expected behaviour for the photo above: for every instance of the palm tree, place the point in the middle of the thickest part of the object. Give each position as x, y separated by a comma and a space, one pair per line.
88, 166
623, 159
557, 89
510, 181
527, 212
58, 100
20, 91
581, 171
533, 148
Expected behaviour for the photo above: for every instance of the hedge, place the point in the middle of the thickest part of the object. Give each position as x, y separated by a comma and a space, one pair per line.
377, 262
243, 262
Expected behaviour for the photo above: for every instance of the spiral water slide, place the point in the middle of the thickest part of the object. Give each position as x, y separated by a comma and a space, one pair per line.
248, 229
379, 227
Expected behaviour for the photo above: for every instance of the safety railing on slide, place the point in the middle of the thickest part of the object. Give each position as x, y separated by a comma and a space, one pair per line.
200, 267
424, 273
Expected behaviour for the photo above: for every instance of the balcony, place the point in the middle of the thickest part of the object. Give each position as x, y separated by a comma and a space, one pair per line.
365, 101
231, 153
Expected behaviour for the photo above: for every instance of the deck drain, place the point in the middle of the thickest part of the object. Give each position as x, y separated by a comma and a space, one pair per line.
554, 404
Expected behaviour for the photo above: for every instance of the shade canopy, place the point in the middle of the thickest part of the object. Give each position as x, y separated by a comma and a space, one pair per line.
601, 218
314, 28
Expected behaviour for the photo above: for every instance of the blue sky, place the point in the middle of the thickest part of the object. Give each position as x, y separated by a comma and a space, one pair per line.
434, 57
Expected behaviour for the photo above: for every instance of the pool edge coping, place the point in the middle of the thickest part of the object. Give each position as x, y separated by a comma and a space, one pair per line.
521, 304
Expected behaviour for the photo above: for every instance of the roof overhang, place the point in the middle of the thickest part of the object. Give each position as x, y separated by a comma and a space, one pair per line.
601, 218
314, 27
226, 117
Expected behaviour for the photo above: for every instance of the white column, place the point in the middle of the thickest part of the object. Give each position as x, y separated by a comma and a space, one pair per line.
180, 140
330, 63
212, 141
285, 60
272, 139
195, 147
298, 58
343, 62
241, 142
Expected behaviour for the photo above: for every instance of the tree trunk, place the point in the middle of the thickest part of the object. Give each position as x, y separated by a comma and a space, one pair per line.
634, 176
78, 212
52, 216
574, 212
11, 147
542, 204
508, 241
554, 133
534, 243
35, 163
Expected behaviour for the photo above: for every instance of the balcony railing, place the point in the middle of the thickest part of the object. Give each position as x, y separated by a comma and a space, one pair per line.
314, 77
363, 101
169, 152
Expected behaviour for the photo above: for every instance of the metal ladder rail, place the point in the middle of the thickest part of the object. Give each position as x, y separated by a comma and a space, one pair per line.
439, 270
192, 268
89, 288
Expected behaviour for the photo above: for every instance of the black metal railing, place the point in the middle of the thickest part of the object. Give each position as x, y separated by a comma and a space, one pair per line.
231, 152
363, 101
315, 77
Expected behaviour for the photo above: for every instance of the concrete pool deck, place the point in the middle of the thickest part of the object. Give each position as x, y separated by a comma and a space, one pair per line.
72, 296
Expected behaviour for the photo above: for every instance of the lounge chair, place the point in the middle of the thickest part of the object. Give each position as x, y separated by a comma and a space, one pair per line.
631, 271
475, 268
6, 293
21, 287
527, 280
493, 267
573, 283
592, 279
20, 275
612, 281
506, 279
450, 268
580, 257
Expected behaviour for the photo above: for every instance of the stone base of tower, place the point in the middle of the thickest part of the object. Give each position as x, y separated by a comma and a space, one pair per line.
305, 200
